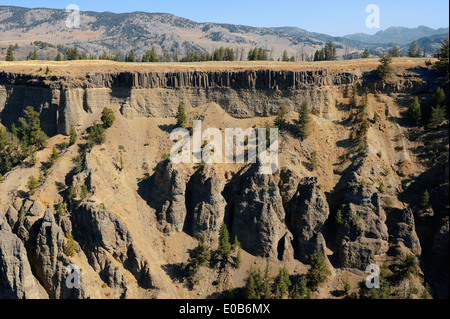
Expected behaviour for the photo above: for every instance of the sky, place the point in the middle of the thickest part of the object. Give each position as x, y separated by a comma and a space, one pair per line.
336, 18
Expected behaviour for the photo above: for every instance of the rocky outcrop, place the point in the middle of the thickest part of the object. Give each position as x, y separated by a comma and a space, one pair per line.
308, 211
167, 196
16, 278
439, 260
264, 79
106, 240
363, 234
50, 260
401, 228
205, 204
256, 213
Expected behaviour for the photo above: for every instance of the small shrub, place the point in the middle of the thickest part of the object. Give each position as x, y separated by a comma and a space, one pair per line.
71, 247
73, 135
313, 161
318, 273
338, 219
108, 117
71, 194
32, 185
406, 267
84, 191
425, 199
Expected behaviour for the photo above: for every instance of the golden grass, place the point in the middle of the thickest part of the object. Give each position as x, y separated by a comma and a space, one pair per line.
83, 67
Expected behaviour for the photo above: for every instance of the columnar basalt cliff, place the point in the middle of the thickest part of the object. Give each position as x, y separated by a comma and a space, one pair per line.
67, 100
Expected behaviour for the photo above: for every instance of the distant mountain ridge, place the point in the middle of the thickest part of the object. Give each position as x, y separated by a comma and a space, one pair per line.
398, 35
140, 31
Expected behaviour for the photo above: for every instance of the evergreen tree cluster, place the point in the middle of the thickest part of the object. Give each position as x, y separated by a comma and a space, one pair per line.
327, 53
259, 284
258, 54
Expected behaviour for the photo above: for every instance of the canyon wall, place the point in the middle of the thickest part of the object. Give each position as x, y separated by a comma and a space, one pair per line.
65, 101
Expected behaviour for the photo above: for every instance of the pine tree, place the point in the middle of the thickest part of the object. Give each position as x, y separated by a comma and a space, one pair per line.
285, 57
347, 288
58, 57
84, 191
130, 57
414, 50
354, 98
266, 283
365, 100
304, 120
425, 199
406, 267
35, 136
72, 135
438, 98
301, 290
365, 54
251, 286
71, 194
262, 54
61, 209
238, 260
32, 185
10, 53
280, 121
236, 243
32, 55
72, 54
224, 243
438, 106
201, 254
414, 111
384, 70
108, 117
181, 115
443, 56
318, 273
282, 283
71, 247
395, 52
437, 116
330, 52
338, 219
53, 157
313, 161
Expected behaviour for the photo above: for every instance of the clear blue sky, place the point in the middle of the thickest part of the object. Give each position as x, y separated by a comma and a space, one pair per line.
331, 17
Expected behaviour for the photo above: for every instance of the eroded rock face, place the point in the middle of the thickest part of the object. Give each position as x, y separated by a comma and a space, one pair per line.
50, 260
206, 205
401, 227
363, 234
16, 278
257, 213
105, 239
439, 259
167, 196
308, 212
